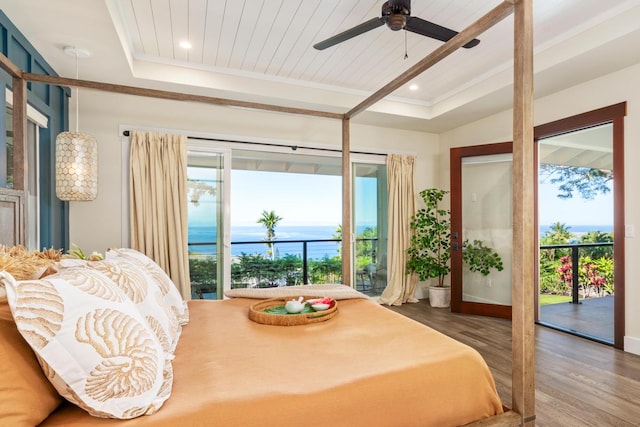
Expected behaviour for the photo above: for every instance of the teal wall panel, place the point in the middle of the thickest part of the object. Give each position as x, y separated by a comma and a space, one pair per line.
53, 102
40, 90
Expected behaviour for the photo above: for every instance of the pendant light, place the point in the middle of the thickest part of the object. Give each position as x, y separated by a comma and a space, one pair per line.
76, 155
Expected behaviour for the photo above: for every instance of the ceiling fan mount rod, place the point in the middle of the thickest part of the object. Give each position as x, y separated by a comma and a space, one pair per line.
395, 13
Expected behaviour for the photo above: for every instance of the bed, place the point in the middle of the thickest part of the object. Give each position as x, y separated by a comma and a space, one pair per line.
101, 333
366, 366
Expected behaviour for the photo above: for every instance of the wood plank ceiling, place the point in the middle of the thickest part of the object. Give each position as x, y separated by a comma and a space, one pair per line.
272, 39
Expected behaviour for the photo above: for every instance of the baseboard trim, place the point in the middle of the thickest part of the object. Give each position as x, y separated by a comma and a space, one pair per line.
632, 345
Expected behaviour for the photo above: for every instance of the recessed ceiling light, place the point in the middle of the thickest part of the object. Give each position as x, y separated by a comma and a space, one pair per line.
413, 87
185, 44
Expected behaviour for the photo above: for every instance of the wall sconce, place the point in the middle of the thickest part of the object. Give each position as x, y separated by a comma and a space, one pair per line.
76, 156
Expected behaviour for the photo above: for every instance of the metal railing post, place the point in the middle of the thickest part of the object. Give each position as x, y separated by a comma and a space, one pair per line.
574, 275
305, 272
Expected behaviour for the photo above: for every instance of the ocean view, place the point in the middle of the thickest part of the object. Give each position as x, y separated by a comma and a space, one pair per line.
240, 236
243, 234
579, 230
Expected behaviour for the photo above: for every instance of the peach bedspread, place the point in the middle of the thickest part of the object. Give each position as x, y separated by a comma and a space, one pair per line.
368, 366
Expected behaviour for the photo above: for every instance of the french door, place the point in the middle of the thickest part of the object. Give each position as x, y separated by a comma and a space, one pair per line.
369, 226
208, 176
481, 211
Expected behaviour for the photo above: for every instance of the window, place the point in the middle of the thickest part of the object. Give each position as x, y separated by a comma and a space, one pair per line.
284, 217
32, 204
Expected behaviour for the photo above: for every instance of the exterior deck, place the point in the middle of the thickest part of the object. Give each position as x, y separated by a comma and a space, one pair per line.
592, 318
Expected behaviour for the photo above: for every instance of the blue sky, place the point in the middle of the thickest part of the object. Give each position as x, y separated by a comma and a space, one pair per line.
574, 211
300, 199
303, 199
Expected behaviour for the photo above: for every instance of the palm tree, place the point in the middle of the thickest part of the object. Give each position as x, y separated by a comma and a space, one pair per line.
559, 233
269, 220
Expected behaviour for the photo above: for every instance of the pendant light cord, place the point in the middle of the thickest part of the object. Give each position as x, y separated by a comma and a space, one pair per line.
77, 97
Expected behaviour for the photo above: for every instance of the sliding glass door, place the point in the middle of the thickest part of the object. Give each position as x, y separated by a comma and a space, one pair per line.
272, 217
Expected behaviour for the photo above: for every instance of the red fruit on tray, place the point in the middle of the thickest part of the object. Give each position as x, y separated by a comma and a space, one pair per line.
324, 300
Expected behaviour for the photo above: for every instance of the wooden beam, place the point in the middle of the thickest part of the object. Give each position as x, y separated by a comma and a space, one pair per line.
506, 419
346, 205
19, 133
524, 250
619, 229
494, 16
176, 96
7, 65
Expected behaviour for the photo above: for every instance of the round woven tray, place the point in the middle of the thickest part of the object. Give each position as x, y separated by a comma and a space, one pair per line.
257, 313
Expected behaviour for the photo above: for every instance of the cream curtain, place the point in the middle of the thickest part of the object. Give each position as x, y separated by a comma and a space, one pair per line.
158, 198
400, 285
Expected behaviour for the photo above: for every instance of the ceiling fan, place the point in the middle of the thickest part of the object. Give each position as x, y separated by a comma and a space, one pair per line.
397, 15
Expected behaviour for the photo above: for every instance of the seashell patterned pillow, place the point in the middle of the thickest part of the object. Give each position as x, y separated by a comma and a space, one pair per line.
169, 290
141, 288
92, 342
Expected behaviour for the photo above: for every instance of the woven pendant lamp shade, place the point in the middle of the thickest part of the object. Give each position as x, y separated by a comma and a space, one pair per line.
76, 155
76, 166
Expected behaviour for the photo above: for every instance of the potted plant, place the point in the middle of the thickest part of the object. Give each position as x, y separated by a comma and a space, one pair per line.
429, 251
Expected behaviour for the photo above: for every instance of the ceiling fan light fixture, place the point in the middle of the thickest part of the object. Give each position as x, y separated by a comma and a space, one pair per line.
397, 22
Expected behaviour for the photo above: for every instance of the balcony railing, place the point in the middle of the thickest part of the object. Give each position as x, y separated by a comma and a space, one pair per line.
585, 274
286, 262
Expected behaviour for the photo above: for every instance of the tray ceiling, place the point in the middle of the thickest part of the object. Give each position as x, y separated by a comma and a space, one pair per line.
262, 50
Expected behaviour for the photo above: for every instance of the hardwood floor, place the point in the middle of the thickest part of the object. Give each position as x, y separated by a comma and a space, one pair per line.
578, 382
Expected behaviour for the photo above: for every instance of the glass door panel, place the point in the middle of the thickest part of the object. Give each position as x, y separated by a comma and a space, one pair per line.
487, 218
208, 230
481, 225
370, 227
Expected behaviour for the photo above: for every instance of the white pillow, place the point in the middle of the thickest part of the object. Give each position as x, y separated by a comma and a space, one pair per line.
93, 344
140, 287
169, 290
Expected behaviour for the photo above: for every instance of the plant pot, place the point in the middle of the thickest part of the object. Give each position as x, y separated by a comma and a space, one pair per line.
439, 296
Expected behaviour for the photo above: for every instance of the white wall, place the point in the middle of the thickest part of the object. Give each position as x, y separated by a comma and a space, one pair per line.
611, 89
97, 225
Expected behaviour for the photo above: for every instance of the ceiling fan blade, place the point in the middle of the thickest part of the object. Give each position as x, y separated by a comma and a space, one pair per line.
435, 31
350, 33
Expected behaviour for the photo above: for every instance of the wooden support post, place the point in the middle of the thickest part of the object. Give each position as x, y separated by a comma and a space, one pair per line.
346, 205
19, 133
524, 251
